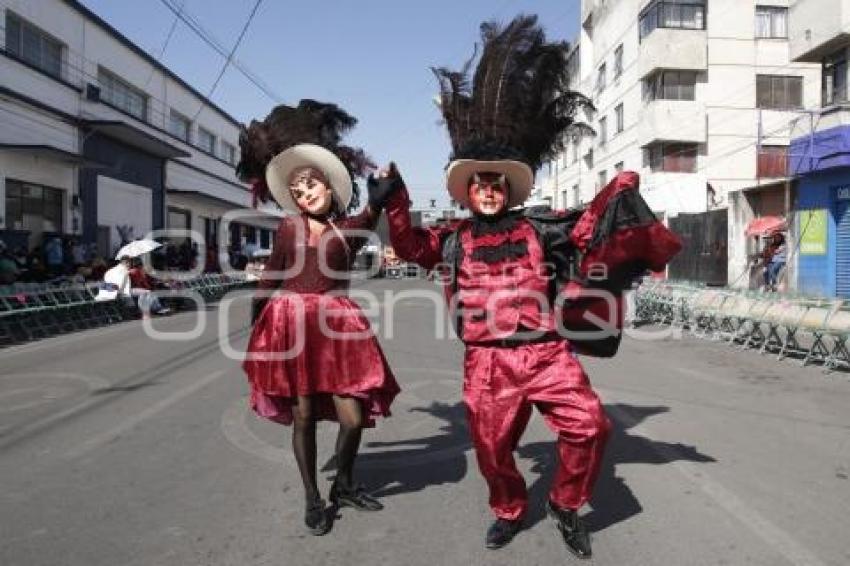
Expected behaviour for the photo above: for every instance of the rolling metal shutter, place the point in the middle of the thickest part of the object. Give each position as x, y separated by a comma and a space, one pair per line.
842, 248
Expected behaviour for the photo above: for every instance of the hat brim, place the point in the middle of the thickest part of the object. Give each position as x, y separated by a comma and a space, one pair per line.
520, 178
281, 167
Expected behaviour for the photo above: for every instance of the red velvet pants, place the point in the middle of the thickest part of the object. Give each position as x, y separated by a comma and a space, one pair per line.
500, 387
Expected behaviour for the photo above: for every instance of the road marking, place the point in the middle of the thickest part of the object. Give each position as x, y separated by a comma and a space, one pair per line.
126, 426
770, 533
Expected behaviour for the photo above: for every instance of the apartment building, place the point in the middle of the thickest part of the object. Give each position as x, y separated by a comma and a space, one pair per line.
101, 141
820, 150
696, 96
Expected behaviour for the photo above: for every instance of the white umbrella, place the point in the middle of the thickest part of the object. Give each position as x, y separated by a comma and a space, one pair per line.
137, 248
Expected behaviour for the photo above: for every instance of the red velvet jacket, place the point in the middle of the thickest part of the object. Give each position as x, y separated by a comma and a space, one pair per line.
617, 239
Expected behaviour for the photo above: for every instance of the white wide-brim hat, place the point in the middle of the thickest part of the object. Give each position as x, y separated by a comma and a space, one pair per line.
520, 178
281, 167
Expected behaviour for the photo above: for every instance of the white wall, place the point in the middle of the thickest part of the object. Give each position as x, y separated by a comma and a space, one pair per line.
120, 203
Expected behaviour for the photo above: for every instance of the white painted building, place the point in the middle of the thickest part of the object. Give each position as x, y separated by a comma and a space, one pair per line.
695, 95
96, 136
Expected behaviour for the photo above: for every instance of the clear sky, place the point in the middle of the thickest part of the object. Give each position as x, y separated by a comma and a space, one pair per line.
371, 57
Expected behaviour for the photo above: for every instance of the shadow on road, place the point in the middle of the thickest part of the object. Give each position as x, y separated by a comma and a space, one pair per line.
440, 459
412, 465
613, 501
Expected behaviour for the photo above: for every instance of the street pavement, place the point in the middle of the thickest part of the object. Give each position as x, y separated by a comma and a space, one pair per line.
117, 448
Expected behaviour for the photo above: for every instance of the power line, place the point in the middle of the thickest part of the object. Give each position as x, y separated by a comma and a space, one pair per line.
211, 41
230, 55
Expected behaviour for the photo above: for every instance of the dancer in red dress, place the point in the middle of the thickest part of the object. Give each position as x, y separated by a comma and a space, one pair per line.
518, 279
312, 355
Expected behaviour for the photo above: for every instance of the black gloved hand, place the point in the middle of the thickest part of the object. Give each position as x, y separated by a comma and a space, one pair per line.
381, 188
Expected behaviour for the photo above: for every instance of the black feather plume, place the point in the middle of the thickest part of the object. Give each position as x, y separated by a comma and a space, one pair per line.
518, 105
311, 121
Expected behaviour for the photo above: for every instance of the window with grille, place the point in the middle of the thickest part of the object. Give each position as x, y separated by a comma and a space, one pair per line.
30, 44
122, 95
671, 157
771, 22
33, 207
206, 141
618, 112
228, 152
618, 61
835, 79
779, 92
179, 125
677, 14
601, 77
671, 85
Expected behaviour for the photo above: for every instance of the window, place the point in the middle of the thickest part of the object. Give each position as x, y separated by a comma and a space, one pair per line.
771, 22
564, 203
678, 14
603, 131
122, 95
603, 179
32, 45
618, 113
779, 92
618, 61
576, 196
33, 208
588, 159
575, 150
206, 141
835, 79
671, 85
179, 125
600, 78
772, 161
672, 157
228, 152
619, 167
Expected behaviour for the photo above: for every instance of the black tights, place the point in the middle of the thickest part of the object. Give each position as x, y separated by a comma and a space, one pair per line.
350, 415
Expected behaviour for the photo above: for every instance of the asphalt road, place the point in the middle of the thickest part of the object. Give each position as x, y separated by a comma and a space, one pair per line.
118, 448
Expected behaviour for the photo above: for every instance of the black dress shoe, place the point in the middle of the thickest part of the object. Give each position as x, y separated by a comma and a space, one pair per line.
501, 532
316, 517
354, 496
572, 529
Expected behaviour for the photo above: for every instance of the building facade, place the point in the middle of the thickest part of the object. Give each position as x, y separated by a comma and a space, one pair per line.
821, 150
696, 96
101, 142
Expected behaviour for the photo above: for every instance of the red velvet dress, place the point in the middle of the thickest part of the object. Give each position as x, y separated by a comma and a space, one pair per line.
311, 338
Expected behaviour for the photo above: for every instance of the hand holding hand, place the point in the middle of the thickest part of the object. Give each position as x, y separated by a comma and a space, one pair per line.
385, 184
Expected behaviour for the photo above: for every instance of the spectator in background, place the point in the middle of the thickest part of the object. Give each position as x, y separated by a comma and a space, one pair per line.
9, 269
774, 258
54, 255
141, 288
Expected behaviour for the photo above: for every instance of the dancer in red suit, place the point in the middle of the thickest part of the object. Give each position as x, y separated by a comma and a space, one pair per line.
519, 279
312, 355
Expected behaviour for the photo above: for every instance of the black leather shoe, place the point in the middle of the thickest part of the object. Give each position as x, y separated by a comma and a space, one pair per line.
572, 529
501, 532
316, 517
355, 496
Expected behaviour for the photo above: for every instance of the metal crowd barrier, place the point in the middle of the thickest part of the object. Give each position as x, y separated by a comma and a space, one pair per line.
813, 329
30, 311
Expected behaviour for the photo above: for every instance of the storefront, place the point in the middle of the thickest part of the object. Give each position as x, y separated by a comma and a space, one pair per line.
823, 225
